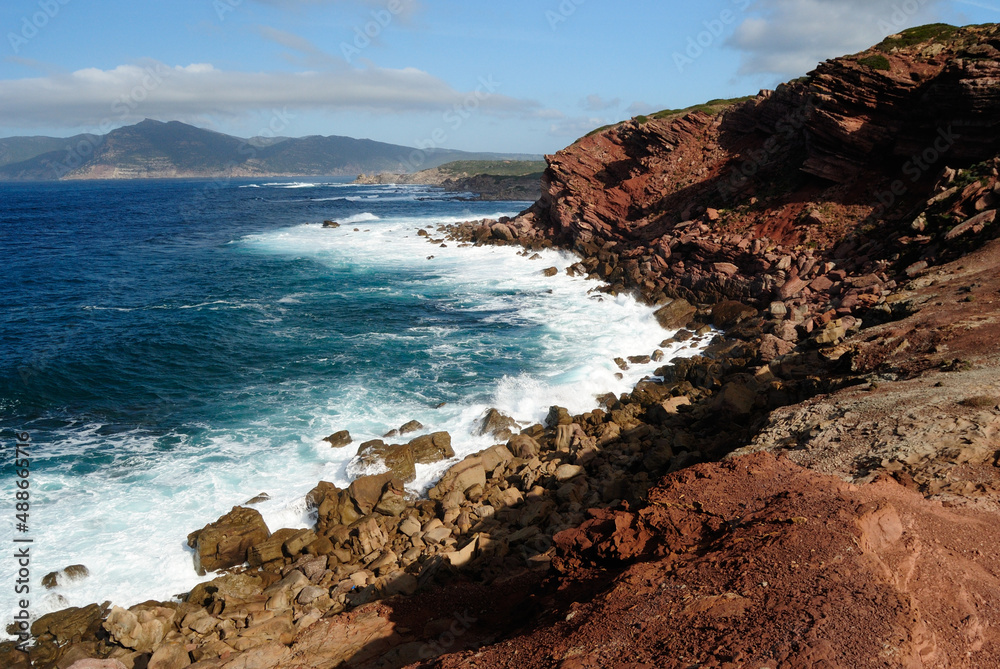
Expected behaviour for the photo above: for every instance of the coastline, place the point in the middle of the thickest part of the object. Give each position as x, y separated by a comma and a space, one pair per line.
820, 483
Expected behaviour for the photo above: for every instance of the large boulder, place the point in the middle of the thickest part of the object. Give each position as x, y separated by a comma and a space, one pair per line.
397, 457
140, 628
497, 425
462, 476
675, 314
339, 439
69, 625
431, 448
366, 491
224, 543
728, 313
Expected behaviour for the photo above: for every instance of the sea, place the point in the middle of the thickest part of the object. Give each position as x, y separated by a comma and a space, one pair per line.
175, 348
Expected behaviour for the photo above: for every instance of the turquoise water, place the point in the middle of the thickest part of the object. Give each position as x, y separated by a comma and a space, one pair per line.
175, 348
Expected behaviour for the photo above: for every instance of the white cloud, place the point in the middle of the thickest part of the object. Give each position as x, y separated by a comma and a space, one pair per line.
596, 103
92, 97
790, 37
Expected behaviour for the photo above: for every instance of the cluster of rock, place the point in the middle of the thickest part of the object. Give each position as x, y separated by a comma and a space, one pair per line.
786, 222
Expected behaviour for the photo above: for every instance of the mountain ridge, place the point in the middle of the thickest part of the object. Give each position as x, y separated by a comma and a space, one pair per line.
154, 149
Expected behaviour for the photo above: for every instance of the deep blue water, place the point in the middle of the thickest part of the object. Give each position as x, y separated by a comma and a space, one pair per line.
176, 347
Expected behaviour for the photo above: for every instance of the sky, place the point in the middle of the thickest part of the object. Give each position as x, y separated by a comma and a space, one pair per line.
525, 76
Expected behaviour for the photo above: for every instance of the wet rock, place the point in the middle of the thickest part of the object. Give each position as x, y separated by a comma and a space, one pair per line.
558, 416
257, 499
331, 224
460, 477
398, 458
431, 448
550, 271
339, 439
411, 426
69, 625
675, 315
497, 425
224, 543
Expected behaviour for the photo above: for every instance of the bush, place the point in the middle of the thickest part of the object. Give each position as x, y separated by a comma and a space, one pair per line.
876, 62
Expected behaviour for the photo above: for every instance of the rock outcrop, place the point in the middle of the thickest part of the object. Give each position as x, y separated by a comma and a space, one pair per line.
819, 487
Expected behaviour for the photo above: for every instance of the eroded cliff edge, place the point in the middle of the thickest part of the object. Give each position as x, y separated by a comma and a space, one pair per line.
818, 489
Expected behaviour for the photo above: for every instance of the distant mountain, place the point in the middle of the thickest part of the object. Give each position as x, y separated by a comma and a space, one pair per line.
156, 150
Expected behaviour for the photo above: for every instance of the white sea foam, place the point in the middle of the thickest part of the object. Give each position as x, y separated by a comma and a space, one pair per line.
129, 524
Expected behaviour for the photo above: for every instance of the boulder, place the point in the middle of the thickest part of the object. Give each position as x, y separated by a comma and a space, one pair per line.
397, 457
97, 664
224, 543
68, 624
675, 314
337, 508
366, 491
497, 425
140, 628
270, 549
550, 271
460, 477
558, 416
431, 448
74, 572
772, 347
523, 446
170, 656
495, 456
728, 313
411, 426
502, 232
339, 439
735, 398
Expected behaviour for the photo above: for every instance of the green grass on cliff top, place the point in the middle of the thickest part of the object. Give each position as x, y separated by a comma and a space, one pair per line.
502, 168
712, 107
932, 32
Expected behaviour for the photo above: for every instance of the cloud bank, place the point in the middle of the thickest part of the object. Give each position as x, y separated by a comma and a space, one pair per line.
91, 97
788, 38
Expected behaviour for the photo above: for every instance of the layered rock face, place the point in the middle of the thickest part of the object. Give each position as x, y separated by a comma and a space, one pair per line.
819, 488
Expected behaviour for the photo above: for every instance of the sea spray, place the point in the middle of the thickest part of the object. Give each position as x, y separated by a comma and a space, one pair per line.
176, 368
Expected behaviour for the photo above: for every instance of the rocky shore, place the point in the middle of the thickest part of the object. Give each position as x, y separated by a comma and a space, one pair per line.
483, 185
818, 488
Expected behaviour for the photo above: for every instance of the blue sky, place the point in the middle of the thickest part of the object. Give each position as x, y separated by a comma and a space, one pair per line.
517, 76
